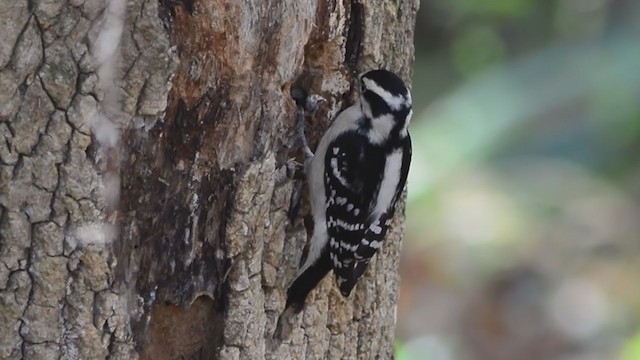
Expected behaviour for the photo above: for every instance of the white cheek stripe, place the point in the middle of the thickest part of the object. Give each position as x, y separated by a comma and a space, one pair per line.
395, 102
381, 127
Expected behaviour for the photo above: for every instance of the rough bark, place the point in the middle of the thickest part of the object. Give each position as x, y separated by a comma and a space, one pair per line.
146, 202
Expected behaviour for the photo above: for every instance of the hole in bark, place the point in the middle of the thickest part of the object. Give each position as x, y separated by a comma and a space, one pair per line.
91, 150
194, 332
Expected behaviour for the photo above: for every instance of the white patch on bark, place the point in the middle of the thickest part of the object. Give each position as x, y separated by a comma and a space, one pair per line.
103, 124
107, 55
95, 234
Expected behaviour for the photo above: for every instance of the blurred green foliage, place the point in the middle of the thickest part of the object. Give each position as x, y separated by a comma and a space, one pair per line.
525, 175
631, 349
477, 47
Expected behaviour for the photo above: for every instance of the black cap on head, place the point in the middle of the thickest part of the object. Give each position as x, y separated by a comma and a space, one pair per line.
387, 80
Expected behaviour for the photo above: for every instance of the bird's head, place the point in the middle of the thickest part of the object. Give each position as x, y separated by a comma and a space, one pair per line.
386, 101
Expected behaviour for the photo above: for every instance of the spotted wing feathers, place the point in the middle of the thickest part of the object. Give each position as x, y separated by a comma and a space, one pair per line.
353, 173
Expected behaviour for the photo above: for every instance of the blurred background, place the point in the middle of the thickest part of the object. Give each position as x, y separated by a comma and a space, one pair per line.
523, 217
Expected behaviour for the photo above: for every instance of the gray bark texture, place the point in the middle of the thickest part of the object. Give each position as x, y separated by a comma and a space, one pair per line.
146, 193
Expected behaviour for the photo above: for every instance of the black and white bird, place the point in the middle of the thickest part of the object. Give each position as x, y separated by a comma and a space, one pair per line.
355, 178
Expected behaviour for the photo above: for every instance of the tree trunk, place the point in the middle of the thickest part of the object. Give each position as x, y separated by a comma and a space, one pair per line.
146, 200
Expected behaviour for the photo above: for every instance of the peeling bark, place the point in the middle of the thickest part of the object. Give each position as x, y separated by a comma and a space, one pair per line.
146, 198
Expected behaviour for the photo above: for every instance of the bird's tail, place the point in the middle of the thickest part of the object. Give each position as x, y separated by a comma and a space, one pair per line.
348, 278
307, 281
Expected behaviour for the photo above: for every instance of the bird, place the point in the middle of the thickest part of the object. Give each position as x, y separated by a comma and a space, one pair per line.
356, 177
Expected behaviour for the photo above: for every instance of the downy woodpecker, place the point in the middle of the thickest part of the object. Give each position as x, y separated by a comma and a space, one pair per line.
355, 177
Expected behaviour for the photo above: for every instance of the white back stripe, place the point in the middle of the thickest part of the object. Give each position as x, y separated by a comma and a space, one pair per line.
389, 184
